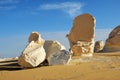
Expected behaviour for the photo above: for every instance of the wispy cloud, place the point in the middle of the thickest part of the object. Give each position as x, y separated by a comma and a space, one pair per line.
71, 8
8, 4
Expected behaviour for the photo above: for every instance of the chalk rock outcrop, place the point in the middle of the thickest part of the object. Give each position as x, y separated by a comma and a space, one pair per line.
61, 58
113, 41
82, 48
99, 45
81, 36
34, 53
56, 53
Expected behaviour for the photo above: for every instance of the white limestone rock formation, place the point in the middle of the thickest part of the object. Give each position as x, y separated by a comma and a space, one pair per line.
82, 48
99, 45
61, 58
34, 53
113, 41
56, 53
81, 36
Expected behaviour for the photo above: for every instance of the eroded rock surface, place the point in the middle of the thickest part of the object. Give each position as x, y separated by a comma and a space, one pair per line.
61, 58
81, 36
34, 53
113, 41
56, 53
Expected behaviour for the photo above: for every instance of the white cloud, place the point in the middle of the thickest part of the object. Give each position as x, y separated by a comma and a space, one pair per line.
72, 8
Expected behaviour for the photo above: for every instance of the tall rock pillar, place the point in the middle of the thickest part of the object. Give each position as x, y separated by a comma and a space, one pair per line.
81, 36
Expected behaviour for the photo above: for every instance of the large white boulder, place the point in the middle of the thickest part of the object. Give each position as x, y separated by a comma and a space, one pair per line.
34, 53
56, 53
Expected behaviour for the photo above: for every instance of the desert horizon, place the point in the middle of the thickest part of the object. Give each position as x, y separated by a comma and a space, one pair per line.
16, 48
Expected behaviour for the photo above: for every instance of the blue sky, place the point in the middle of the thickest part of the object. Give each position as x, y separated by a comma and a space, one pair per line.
18, 18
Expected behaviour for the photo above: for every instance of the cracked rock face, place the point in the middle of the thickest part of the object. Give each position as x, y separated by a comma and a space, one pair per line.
61, 58
81, 36
56, 53
113, 41
34, 53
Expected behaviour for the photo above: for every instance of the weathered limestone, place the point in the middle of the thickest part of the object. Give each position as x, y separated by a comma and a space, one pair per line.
56, 53
81, 36
113, 41
61, 58
99, 45
34, 53
81, 48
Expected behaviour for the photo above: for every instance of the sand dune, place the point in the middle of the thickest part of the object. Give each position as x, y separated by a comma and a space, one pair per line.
100, 67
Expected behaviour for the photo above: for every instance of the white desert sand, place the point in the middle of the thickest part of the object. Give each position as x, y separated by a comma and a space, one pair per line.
104, 66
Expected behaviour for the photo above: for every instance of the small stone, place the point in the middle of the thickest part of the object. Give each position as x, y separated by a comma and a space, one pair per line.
99, 45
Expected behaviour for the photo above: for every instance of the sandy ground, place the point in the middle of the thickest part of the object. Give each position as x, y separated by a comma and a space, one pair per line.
99, 67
